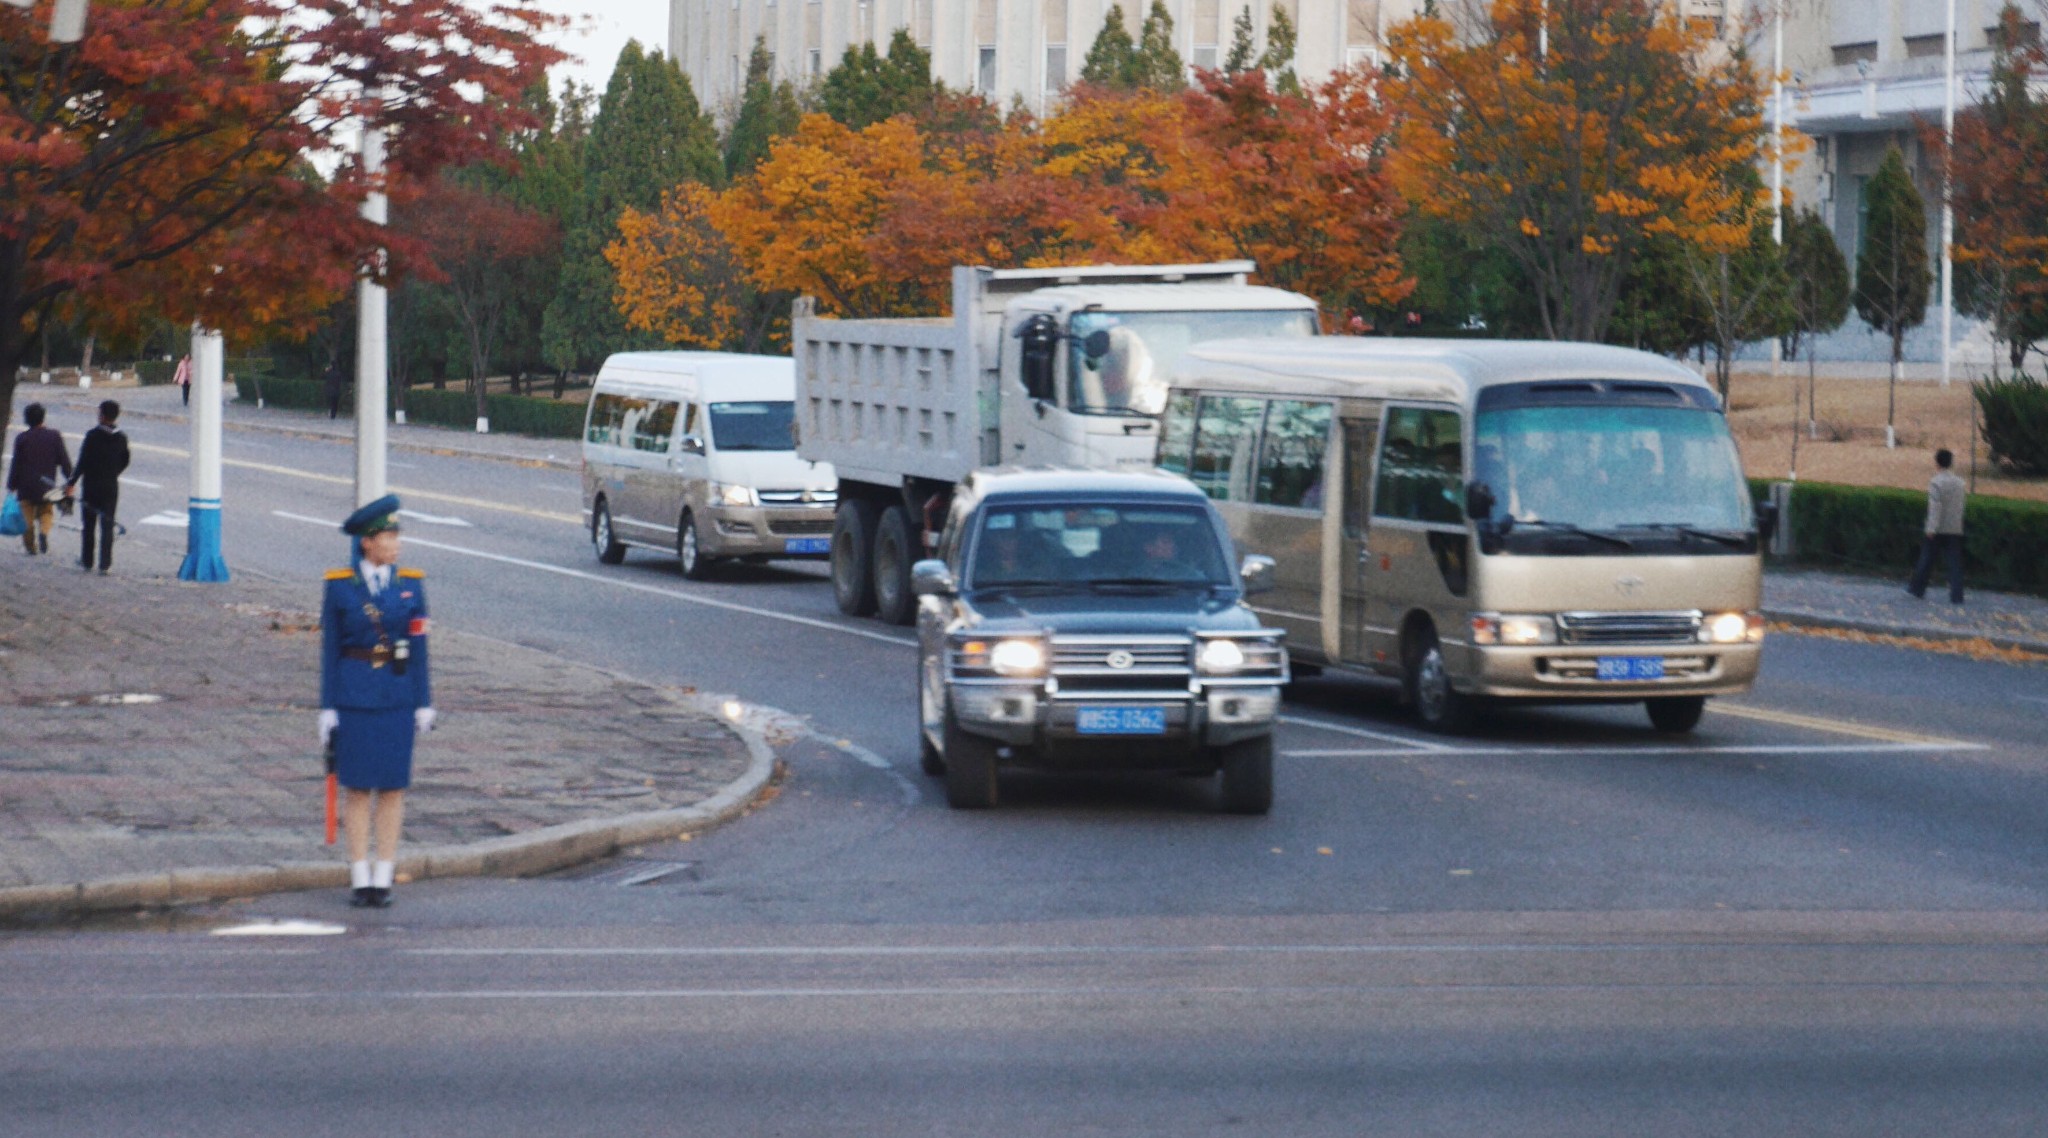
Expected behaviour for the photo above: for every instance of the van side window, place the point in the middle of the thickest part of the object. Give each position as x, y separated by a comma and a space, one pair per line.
656, 423
607, 416
1421, 467
1177, 433
1291, 454
1226, 431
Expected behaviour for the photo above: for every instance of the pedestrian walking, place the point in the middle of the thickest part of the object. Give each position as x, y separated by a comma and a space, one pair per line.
331, 384
1946, 494
101, 459
184, 380
39, 455
375, 695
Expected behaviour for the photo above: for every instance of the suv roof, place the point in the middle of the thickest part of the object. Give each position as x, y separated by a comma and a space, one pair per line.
1079, 482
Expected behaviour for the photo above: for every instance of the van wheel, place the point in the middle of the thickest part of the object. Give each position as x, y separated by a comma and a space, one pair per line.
853, 537
1441, 707
1248, 776
609, 549
689, 554
1675, 714
970, 768
894, 602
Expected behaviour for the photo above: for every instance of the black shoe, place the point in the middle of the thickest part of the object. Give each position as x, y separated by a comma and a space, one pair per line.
362, 898
43, 543
380, 898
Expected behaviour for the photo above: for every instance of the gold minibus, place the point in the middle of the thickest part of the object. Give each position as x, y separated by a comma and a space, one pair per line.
1486, 520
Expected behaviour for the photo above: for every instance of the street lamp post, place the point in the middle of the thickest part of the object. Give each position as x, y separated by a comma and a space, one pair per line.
67, 19
372, 328
1948, 213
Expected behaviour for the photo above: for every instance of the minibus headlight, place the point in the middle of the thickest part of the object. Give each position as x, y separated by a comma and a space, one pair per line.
726, 494
1017, 658
1513, 630
1220, 655
1732, 628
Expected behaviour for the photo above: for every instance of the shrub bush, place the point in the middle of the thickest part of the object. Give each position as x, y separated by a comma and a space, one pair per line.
156, 373
1879, 529
512, 414
2016, 422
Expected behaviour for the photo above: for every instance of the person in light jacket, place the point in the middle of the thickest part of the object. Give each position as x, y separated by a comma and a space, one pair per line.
1945, 496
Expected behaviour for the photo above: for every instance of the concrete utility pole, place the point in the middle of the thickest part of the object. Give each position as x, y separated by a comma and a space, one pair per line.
1948, 213
67, 19
203, 560
372, 329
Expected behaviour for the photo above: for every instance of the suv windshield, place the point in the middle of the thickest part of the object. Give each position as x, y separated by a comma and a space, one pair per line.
1146, 347
1607, 468
1096, 545
753, 426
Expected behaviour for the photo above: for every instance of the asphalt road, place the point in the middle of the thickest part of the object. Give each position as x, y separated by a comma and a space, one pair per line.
1825, 913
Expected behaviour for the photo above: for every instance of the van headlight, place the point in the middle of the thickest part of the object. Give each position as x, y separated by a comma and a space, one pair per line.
1220, 655
1017, 658
1512, 629
727, 494
1732, 628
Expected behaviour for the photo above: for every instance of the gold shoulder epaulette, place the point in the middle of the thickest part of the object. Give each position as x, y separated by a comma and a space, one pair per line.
413, 574
340, 574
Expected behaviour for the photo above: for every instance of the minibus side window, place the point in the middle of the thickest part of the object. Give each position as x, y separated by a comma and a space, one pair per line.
607, 411
1177, 433
1225, 433
1291, 455
651, 432
1421, 467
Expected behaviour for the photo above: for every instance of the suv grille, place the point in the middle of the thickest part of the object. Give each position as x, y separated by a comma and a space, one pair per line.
1628, 627
1085, 667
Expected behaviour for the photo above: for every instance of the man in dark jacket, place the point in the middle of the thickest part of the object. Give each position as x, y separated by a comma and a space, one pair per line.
101, 459
332, 384
38, 455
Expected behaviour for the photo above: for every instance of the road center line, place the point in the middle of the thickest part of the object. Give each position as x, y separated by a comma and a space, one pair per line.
599, 578
1604, 752
1832, 726
337, 480
1360, 732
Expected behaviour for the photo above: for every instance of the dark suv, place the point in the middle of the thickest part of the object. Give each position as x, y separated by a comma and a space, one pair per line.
1083, 620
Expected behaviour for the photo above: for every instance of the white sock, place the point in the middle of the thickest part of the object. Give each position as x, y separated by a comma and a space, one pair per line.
359, 875
383, 873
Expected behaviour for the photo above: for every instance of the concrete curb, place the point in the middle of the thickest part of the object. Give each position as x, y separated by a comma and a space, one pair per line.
516, 855
1892, 628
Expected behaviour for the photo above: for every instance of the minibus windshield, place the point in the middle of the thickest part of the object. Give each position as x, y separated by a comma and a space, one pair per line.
753, 426
1612, 468
1144, 348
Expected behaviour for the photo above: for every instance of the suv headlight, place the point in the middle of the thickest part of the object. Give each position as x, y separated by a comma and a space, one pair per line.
727, 494
1732, 628
1513, 629
1220, 655
1017, 658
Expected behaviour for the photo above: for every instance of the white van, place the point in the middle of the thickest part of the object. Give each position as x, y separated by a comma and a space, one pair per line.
693, 452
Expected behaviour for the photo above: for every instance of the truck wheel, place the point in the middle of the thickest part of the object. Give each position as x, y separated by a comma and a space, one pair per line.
894, 602
689, 554
853, 536
609, 549
1248, 776
1675, 714
1442, 708
970, 768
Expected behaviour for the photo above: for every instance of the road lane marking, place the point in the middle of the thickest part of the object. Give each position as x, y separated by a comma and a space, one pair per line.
166, 518
636, 586
127, 481
1832, 726
434, 519
1600, 751
1424, 745
337, 480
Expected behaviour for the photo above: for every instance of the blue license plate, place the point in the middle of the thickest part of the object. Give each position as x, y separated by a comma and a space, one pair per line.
807, 545
1631, 667
1121, 721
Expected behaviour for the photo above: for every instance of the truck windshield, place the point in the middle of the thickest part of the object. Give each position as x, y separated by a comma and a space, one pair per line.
753, 426
1145, 347
1108, 546
1612, 468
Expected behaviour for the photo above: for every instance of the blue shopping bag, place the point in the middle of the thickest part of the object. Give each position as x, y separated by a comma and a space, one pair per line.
12, 524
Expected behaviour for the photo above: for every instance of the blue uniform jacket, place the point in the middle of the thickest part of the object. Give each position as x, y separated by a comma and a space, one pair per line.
347, 684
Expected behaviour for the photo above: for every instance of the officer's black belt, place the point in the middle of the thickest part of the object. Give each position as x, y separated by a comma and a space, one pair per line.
376, 656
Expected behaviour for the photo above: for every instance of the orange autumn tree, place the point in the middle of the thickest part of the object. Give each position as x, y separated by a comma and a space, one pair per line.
1570, 158
680, 279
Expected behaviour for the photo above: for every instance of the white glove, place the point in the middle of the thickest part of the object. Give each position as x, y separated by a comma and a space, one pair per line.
329, 720
423, 719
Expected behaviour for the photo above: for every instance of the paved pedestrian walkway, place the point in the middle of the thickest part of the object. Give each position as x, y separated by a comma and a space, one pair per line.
1818, 599
157, 744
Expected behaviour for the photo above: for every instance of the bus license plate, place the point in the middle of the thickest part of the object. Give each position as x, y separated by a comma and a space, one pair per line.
807, 545
1631, 667
1121, 721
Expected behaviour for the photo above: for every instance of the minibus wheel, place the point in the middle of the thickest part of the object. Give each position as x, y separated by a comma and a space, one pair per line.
689, 554
1675, 714
1441, 707
610, 550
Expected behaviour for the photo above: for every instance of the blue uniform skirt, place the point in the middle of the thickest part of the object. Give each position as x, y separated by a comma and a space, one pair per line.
373, 749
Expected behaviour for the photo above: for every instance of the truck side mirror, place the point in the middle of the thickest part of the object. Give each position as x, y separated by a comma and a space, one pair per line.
1766, 521
931, 578
1257, 574
1479, 501
1096, 345
1041, 337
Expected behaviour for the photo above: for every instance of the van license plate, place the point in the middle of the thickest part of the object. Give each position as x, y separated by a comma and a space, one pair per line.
1631, 667
1121, 721
807, 545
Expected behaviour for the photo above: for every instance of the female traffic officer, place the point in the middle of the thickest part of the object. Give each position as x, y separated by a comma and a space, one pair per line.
375, 695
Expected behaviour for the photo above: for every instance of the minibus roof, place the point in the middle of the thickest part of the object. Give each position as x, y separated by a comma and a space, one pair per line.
1379, 367
716, 376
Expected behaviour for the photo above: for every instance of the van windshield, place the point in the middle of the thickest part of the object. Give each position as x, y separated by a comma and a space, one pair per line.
1097, 546
1612, 468
753, 426
1144, 349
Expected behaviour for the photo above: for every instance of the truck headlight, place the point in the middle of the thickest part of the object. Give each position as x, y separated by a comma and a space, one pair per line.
1220, 655
1513, 630
1017, 658
1732, 628
727, 494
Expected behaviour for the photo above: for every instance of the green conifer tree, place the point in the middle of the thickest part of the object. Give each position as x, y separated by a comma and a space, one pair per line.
1278, 60
1159, 66
868, 87
768, 110
1244, 53
1891, 270
1113, 58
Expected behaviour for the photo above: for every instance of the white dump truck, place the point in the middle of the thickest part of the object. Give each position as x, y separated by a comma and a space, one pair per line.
1056, 367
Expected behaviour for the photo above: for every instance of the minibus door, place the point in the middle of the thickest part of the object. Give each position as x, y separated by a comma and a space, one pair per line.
1354, 558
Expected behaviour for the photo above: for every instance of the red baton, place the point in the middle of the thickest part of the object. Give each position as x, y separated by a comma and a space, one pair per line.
331, 795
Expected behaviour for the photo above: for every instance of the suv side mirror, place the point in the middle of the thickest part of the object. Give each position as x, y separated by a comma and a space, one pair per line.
1257, 574
931, 578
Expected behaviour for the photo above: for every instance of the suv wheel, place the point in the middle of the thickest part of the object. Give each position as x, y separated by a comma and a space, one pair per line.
1248, 776
1441, 707
970, 768
609, 549
1675, 714
928, 758
689, 554
853, 535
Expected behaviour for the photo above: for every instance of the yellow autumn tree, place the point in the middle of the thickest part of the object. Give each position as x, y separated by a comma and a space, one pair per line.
680, 279
1569, 132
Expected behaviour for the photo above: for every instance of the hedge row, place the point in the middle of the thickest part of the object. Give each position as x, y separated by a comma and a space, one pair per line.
510, 414
2016, 422
1879, 529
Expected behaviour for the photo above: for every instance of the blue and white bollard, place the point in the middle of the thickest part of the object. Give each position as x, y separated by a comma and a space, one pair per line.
203, 560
